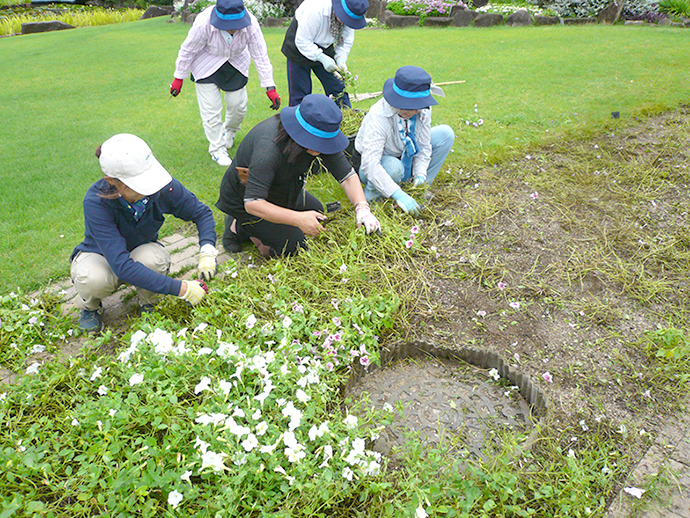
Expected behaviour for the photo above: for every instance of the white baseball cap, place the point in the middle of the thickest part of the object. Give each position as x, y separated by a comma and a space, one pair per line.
129, 159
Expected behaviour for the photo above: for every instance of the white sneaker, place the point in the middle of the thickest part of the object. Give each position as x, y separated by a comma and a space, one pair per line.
221, 156
229, 139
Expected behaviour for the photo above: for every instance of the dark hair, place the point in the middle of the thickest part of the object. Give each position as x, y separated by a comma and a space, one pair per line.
110, 192
289, 147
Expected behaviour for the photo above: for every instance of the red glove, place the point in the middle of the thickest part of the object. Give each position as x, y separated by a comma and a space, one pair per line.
175, 87
274, 97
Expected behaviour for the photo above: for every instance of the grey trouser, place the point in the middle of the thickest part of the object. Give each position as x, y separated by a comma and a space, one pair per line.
94, 280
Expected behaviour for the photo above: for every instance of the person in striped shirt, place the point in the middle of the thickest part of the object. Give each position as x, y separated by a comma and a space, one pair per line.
219, 47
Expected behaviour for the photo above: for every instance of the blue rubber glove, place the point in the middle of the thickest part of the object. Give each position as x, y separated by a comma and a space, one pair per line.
405, 201
418, 180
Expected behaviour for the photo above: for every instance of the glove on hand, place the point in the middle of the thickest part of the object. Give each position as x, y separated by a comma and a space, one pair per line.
274, 97
207, 261
406, 202
366, 218
176, 87
418, 180
341, 63
196, 290
327, 62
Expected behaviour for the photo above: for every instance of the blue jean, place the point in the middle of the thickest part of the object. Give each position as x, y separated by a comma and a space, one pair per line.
299, 83
442, 139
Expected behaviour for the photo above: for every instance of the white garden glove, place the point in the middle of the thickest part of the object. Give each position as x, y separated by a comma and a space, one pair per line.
196, 290
207, 261
418, 180
327, 62
341, 63
366, 218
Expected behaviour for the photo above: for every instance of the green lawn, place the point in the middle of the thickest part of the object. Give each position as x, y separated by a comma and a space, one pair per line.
66, 92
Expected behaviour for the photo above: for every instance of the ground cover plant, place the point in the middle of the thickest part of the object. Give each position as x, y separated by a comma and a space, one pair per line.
556, 237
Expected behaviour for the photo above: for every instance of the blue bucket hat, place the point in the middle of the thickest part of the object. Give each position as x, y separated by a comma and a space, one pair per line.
351, 12
230, 15
410, 89
315, 124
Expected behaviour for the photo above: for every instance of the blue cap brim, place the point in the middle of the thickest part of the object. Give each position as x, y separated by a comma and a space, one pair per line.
353, 23
405, 103
327, 146
230, 25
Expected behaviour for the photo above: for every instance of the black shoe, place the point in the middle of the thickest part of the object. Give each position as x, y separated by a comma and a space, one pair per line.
231, 241
147, 308
91, 321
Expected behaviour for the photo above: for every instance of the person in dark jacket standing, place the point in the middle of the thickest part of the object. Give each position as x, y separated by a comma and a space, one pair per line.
122, 215
319, 39
263, 192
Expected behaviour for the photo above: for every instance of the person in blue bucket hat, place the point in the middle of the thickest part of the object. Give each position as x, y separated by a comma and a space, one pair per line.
219, 47
319, 39
396, 145
262, 192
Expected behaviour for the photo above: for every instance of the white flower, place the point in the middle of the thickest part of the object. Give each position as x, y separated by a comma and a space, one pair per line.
204, 384
420, 512
287, 322
162, 340
373, 468
347, 473
388, 407
96, 373
294, 414
136, 379
214, 419
185, 476
112, 412
202, 445
634, 491
302, 396
204, 351
33, 368
327, 455
213, 460
571, 453
250, 442
174, 498
351, 421
251, 321
494, 374
102, 390
261, 428
75, 422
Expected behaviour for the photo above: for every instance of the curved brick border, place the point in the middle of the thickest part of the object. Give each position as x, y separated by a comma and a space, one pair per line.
534, 396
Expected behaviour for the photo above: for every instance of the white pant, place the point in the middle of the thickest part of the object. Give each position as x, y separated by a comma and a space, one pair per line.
94, 280
210, 102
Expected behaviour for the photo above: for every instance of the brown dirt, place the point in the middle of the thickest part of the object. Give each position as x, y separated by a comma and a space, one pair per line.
557, 255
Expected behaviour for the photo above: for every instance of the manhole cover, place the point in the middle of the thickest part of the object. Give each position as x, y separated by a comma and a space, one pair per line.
445, 399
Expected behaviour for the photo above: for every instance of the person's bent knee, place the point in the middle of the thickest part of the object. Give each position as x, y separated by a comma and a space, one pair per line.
393, 167
444, 135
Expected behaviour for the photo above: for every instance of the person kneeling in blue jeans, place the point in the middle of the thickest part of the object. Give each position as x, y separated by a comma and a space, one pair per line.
396, 143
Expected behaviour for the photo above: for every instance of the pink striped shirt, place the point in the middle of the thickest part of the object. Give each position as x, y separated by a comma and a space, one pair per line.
204, 50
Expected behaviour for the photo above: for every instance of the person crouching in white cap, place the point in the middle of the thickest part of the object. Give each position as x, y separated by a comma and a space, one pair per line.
123, 213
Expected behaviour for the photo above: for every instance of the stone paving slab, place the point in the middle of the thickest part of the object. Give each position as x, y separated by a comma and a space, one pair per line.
670, 456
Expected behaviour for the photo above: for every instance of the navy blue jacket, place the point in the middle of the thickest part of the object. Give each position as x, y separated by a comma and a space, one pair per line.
111, 230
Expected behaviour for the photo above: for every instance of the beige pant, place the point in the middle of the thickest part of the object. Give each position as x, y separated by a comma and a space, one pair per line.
210, 99
94, 280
